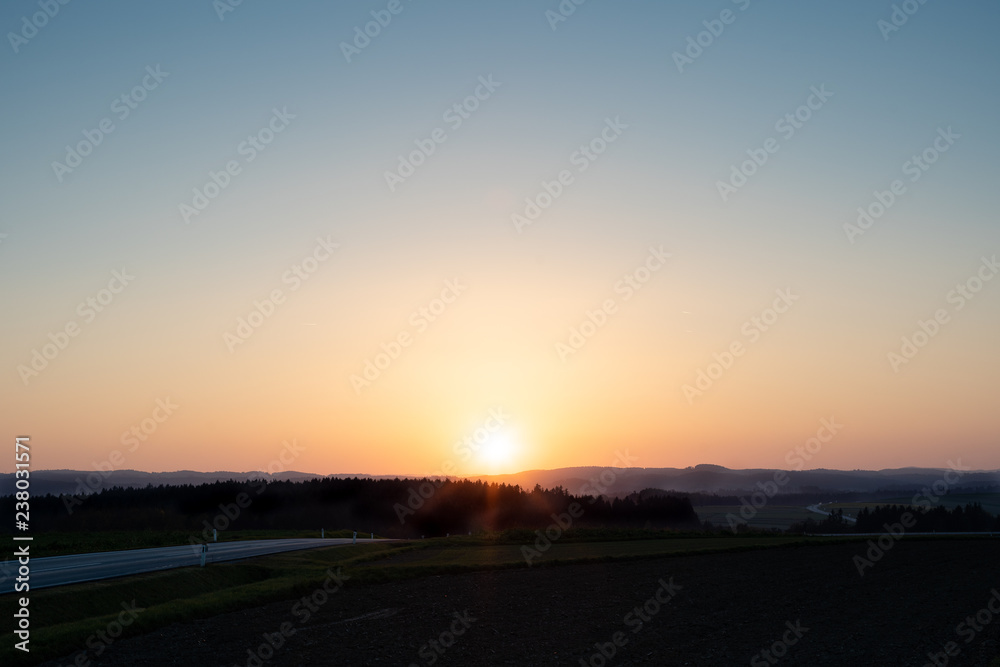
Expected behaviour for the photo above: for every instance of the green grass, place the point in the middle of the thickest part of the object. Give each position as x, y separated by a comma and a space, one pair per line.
525, 536
768, 516
453, 555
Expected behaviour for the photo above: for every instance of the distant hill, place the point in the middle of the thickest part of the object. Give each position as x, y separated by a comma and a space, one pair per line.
72, 481
717, 479
592, 480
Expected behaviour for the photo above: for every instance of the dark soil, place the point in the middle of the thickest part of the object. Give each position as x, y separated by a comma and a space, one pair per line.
727, 608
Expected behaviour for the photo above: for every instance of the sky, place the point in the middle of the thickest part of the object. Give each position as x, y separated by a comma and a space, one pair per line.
408, 237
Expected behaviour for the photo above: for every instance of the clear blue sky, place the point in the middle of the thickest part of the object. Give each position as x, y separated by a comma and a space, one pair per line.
657, 183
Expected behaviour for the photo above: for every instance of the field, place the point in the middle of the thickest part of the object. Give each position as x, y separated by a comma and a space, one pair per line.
989, 501
64, 616
392, 598
767, 517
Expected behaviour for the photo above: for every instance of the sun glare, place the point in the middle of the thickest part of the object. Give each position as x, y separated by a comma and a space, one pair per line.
499, 452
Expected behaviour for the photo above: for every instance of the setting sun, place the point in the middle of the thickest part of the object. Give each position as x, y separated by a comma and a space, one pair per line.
500, 452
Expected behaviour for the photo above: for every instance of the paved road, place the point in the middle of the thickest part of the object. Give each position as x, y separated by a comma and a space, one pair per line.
61, 570
815, 508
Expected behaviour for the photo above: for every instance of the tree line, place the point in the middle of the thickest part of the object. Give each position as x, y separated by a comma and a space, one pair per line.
389, 507
961, 519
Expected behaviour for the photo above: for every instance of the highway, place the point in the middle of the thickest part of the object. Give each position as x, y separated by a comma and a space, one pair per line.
815, 508
75, 568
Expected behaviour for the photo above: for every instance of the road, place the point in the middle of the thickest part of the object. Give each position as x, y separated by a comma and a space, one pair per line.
75, 568
815, 508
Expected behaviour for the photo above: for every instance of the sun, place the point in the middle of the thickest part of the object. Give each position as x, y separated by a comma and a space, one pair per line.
500, 451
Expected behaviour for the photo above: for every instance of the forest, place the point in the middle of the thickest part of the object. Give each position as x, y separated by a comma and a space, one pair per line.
429, 507
388, 507
960, 519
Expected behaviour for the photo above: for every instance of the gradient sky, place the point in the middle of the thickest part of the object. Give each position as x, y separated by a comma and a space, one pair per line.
494, 349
